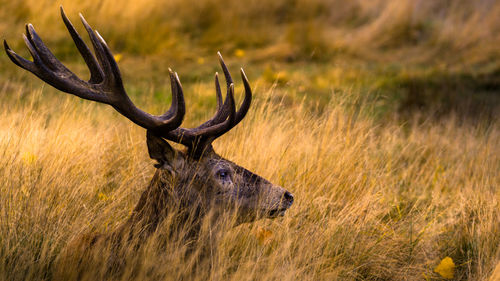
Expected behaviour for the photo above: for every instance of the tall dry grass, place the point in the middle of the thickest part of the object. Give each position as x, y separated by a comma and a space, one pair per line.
373, 201
377, 198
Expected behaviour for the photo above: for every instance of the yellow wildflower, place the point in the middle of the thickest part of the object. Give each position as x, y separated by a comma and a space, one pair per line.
28, 157
118, 57
200, 60
446, 268
239, 53
102, 196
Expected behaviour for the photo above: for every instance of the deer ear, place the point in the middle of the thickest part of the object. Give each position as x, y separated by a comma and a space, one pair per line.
159, 149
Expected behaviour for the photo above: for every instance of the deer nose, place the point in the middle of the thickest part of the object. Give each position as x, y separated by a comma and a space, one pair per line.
288, 197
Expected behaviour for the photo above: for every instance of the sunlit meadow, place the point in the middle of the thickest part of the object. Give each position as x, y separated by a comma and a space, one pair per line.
381, 117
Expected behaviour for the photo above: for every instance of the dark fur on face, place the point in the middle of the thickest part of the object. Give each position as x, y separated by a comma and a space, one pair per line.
215, 182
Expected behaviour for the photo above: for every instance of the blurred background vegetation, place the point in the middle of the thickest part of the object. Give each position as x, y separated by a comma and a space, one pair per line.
380, 116
433, 56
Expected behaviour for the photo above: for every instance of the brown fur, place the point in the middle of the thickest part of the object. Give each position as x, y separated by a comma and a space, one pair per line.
189, 189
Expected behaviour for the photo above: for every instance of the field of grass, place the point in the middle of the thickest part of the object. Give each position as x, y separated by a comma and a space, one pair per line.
381, 117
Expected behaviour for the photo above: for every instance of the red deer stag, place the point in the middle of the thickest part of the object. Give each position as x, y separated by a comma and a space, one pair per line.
197, 178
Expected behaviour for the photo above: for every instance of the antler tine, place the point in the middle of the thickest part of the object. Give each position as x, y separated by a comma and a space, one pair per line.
53, 72
104, 57
49, 69
105, 84
96, 74
220, 128
34, 54
240, 114
242, 111
200, 138
177, 110
227, 75
38, 49
247, 101
223, 110
98, 49
218, 92
229, 80
17, 59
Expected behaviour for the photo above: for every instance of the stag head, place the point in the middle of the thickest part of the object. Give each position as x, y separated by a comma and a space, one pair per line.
217, 182
195, 175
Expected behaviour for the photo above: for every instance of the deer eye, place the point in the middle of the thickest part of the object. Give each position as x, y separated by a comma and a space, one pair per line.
224, 175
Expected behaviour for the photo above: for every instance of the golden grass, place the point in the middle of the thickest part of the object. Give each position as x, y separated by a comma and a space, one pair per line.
377, 198
373, 201
457, 32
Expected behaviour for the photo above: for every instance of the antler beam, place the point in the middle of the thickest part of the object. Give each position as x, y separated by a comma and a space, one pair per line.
105, 86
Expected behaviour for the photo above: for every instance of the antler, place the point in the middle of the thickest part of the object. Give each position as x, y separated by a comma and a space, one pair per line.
105, 86
226, 117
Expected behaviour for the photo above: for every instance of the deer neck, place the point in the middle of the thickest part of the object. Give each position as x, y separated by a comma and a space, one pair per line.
160, 199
